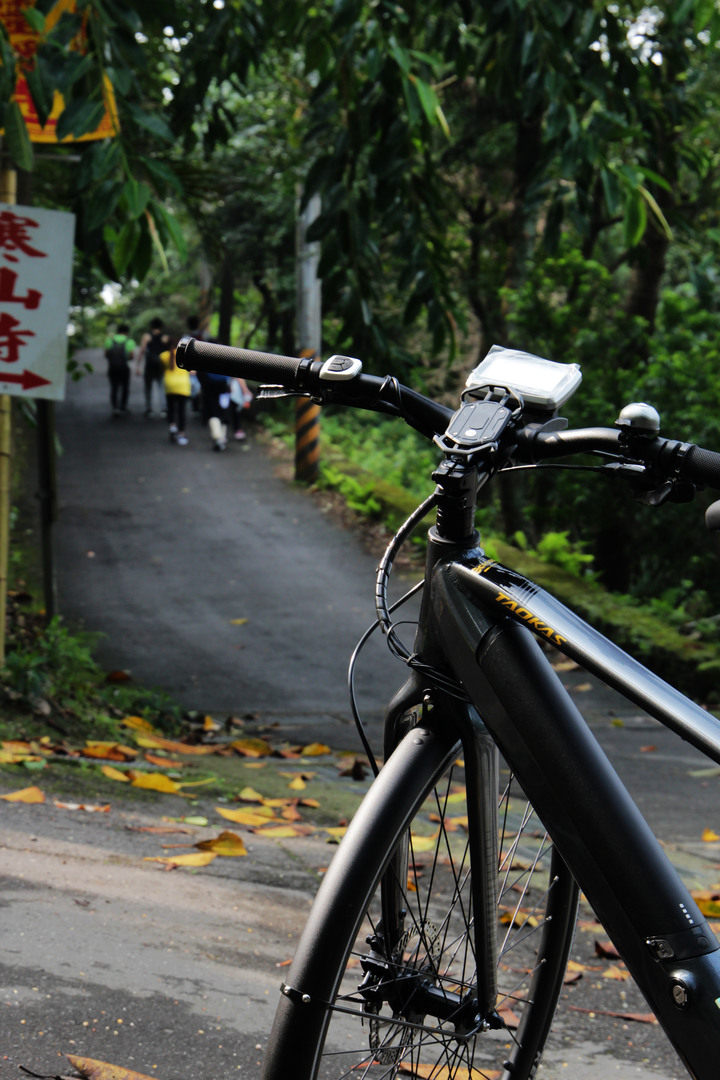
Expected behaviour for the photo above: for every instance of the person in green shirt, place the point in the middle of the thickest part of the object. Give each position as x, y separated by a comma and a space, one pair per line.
118, 350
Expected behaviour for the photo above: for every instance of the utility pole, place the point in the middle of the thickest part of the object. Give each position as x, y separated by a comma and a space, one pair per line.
309, 332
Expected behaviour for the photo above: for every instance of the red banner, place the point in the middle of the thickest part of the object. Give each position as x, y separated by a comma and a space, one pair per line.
25, 41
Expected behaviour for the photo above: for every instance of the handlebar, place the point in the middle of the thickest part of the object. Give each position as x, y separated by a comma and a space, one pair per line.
340, 381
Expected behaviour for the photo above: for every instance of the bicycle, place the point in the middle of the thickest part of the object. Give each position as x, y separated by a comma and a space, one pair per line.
449, 961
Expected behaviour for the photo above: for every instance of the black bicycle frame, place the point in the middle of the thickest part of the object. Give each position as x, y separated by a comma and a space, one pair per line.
483, 613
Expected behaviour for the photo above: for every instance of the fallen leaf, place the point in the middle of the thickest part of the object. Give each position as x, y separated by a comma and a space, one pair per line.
109, 751
298, 784
156, 782
26, 795
139, 723
284, 832
90, 808
423, 843
249, 816
195, 858
251, 747
709, 836
648, 749
163, 762
238, 622
228, 844
249, 794
708, 900
156, 742
315, 749
615, 972
607, 950
114, 774
102, 1070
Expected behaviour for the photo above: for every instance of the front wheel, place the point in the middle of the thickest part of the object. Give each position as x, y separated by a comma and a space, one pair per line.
375, 995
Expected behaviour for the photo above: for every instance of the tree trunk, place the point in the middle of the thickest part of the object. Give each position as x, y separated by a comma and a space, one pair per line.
227, 299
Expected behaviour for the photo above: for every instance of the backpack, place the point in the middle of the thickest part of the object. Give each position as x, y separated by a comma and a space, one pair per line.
116, 354
157, 343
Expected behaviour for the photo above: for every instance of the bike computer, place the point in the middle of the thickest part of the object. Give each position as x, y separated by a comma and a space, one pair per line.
542, 383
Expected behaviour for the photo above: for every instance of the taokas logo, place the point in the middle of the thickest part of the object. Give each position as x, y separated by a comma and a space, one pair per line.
530, 619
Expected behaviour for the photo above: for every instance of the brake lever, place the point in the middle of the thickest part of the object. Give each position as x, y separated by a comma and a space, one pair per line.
645, 486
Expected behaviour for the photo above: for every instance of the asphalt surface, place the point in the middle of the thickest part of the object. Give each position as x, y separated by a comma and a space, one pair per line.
210, 577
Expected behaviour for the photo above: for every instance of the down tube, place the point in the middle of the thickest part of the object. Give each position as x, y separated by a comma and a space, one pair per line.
655, 924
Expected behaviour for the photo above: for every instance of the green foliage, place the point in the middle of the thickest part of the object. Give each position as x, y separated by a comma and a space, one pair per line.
556, 548
54, 670
359, 495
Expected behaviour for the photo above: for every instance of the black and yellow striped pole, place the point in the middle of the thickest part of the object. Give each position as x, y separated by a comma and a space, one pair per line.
307, 436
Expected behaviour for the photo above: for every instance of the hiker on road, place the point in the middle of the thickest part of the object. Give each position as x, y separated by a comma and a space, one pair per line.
151, 346
119, 349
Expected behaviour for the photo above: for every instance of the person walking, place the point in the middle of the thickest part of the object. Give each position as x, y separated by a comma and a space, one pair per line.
151, 346
215, 405
119, 348
177, 392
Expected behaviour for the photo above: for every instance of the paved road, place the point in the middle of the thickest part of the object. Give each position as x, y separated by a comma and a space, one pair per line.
210, 576
164, 550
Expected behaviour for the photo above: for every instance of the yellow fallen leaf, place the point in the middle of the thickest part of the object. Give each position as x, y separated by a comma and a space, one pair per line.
238, 622
337, 830
195, 858
298, 784
708, 900
709, 836
11, 757
210, 725
285, 832
315, 749
114, 774
26, 795
138, 723
614, 972
252, 747
424, 843
228, 844
90, 1069
249, 794
155, 782
156, 742
256, 815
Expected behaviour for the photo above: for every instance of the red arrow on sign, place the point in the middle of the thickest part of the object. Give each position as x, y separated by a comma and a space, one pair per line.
28, 379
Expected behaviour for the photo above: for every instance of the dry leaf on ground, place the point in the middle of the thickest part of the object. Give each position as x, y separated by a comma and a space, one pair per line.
195, 858
90, 1069
26, 795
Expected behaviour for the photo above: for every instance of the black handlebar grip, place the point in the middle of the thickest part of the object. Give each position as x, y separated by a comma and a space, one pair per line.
702, 467
195, 355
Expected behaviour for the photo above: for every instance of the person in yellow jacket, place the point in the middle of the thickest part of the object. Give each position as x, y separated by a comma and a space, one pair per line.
177, 392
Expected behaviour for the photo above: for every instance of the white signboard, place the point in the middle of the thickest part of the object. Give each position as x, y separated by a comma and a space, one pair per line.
36, 258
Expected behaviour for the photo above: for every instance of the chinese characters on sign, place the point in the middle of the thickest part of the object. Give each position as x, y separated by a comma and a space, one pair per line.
36, 249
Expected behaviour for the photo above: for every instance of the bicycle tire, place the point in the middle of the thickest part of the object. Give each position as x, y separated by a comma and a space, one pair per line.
326, 1028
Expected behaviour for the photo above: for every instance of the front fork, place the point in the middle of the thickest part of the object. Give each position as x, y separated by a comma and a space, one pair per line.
481, 762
